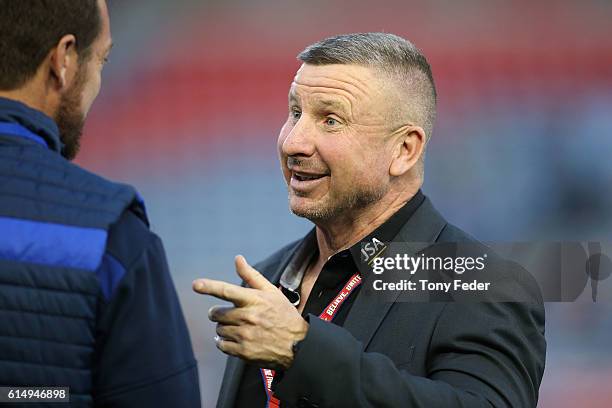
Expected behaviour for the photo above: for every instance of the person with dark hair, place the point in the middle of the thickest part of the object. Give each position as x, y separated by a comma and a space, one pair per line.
311, 330
86, 298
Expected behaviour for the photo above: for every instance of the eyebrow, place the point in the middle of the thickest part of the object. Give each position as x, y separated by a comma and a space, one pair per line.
330, 103
293, 98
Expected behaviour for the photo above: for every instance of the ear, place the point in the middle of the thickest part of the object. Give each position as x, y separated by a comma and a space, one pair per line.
408, 149
63, 62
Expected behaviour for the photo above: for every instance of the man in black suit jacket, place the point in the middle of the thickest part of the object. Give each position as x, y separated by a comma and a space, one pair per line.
310, 330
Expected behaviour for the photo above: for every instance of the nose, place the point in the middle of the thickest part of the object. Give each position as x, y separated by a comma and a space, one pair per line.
299, 141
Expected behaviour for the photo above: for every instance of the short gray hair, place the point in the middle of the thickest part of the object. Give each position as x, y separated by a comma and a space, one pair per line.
389, 53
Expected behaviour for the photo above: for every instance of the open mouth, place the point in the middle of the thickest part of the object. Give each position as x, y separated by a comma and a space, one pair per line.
307, 177
305, 181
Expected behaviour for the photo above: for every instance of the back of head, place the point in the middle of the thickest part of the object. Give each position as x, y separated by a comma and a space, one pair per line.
29, 29
392, 55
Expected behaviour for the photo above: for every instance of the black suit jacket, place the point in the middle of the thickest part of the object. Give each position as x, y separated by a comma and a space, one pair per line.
414, 354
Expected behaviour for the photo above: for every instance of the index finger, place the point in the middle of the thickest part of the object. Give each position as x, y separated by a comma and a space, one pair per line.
238, 295
251, 276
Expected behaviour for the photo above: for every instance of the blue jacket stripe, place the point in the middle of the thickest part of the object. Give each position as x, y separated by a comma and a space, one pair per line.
109, 274
51, 244
17, 130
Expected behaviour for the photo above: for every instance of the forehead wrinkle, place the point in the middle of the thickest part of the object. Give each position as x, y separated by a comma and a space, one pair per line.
319, 95
356, 87
362, 84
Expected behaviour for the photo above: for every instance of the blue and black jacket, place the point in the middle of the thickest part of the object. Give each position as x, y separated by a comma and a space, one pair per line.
86, 299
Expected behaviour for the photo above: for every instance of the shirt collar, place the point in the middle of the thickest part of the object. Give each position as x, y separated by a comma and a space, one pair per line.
386, 232
17, 113
377, 240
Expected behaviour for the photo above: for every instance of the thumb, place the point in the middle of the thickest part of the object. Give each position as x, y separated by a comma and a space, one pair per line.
250, 275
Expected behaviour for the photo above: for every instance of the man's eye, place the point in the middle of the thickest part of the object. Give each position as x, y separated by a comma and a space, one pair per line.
331, 122
296, 114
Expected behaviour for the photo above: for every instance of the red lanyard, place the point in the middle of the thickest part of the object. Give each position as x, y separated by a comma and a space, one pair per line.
328, 314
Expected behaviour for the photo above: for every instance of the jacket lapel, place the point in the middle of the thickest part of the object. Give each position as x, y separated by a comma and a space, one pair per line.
369, 310
231, 380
